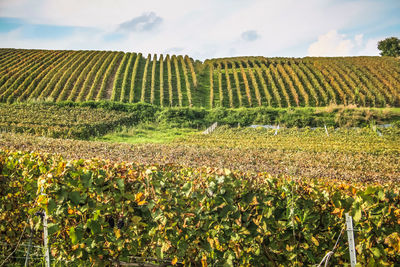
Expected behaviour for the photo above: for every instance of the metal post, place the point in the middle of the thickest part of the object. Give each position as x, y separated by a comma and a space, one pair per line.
29, 249
326, 130
46, 241
45, 236
350, 238
276, 130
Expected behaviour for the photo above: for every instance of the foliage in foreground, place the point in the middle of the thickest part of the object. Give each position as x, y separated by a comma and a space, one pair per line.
100, 212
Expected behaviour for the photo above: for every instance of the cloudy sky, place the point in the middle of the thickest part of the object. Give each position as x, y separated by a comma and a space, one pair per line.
202, 28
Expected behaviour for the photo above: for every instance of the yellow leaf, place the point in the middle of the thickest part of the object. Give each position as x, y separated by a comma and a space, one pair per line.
138, 196
254, 201
117, 233
204, 261
140, 203
211, 242
174, 261
353, 191
315, 241
338, 211
42, 199
289, 248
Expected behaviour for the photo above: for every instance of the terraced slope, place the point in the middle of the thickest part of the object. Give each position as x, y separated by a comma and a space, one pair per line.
171, 80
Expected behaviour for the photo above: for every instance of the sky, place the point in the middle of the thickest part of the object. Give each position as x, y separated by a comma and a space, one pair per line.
202, 28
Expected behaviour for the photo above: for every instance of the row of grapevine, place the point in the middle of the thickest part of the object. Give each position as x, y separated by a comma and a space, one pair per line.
246, 83
170, 91
133, 78
228, 85
187, 82
237, 85
178, 79
161, 80
211, 85
153, 76
144, 80
121, 90
119, 78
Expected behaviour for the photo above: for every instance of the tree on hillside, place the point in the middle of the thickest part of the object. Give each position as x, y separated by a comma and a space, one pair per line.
390, 47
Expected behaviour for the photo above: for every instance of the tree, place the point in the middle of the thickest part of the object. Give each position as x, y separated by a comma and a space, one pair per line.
390, 47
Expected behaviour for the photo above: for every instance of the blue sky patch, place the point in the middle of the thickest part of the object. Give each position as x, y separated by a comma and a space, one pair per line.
9, 24
40, 31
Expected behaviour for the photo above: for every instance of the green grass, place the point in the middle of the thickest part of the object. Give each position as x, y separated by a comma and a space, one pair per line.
146, 133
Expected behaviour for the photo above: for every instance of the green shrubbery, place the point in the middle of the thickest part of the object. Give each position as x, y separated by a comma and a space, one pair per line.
53, 119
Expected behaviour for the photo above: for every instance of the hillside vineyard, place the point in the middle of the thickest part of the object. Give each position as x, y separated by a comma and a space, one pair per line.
172, 80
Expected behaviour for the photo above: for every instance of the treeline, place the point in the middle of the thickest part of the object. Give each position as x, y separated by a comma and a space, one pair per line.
180, 81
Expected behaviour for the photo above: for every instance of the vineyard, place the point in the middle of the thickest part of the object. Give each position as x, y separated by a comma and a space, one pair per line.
300, 144
176, 80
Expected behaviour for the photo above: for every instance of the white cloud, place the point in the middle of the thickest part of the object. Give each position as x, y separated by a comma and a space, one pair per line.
200, 28
145, 22
250, 35
334, 44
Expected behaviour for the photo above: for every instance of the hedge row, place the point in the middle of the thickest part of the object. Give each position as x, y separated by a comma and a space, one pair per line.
86, 119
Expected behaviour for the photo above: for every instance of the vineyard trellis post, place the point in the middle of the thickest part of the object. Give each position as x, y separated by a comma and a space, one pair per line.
276, 130
326, 130
350, 238
46, 240
211, 128
29, 247
45, 236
